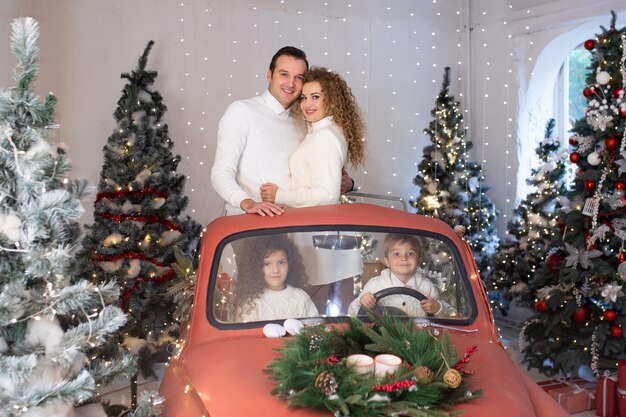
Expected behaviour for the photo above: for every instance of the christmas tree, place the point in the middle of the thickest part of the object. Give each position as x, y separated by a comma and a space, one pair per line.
137, 223
581, 306
451, 186
532, 230
50, 318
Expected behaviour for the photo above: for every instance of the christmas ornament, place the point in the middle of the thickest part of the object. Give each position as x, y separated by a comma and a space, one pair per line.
616, 331
580, 315
603, 78
553, 262
589, 44
593, 158
575, 157
573, 141
609, 315
453, 378
293, 326
224, 282
327, 383
590, 185
618, 92
619, 185
273, 330
423, 373
612, 143
621, 257
11, 226
588, 92
541, 305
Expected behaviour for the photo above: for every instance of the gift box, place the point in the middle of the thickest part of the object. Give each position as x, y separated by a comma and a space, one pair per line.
606, 396
576, 397
621, 388
550, 384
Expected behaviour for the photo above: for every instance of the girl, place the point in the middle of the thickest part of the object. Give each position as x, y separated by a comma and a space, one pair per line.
336, 132
270, 281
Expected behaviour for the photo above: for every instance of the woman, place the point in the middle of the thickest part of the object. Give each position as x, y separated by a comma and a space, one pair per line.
336, 132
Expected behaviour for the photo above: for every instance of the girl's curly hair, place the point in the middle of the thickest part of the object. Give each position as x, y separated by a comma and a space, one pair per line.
344, 109
250, 276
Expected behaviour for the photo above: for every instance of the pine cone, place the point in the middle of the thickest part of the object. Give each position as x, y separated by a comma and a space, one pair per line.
422, 373
327, 383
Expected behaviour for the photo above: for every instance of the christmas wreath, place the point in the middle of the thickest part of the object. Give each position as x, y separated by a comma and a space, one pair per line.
313, 370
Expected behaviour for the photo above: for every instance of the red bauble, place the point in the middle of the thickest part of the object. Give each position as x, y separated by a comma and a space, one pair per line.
580, 315
621, 257
541, 305
590, 185
616, 331
612, 142
588, 92
609, 315
589, 44
617, 92
224, 282
619, 185
573, 141
553, 263
574, 157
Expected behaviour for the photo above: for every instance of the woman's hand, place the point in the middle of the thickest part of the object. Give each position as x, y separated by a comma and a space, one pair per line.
268, 192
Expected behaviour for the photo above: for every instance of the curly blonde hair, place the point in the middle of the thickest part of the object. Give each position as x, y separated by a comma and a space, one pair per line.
344, 109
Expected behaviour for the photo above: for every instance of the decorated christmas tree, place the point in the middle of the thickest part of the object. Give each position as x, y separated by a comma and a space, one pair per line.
137, 218
452, 188
50, 317
532, 230
580, 300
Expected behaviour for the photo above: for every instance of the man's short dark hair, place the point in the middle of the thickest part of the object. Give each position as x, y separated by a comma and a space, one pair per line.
291, 51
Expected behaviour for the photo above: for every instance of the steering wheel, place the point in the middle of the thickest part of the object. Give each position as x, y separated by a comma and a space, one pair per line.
393, 291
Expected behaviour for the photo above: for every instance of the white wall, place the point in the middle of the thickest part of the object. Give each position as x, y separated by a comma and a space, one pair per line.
504, 58
209, 53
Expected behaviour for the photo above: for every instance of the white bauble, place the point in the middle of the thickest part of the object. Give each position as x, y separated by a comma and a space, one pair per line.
168, 237
603, 78
293, 326
273, 330
46, 332
110, 266
112, 239
11, 227
134, 266
90, 410
594, 158
157, 203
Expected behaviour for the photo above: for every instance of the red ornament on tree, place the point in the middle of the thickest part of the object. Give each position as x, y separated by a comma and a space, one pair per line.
224, 282
581, 315
553, 263
617, 92
590, 185
573, 141
621, 257
588, 92
616, 331
609, 315
541, 305
612, 143
619, 185
574, 157
589, 44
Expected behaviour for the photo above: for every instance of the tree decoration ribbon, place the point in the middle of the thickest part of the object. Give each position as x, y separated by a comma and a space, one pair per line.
125, 193
144, 219
312, 372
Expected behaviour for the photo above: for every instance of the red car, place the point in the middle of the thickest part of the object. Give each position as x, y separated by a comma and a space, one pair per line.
220, 367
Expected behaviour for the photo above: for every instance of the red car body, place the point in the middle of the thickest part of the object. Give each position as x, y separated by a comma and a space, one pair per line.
218, 372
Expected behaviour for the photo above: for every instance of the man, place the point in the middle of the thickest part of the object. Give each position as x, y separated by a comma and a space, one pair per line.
256, 137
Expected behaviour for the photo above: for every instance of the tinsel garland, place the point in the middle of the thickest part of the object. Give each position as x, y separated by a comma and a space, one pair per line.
311, 371
144, 219
124, 193
128, 255
126, 292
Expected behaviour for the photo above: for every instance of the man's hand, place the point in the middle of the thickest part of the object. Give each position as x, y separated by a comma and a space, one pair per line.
262, 209
347, 183
268, 192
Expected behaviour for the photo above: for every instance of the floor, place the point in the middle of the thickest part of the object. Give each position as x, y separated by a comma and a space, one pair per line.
119, 393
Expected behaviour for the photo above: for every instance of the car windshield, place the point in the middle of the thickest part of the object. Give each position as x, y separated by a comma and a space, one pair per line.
338, 273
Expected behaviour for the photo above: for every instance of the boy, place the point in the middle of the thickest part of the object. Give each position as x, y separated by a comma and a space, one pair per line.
402, 257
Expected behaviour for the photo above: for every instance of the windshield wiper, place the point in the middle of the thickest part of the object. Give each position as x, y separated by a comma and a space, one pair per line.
423, 322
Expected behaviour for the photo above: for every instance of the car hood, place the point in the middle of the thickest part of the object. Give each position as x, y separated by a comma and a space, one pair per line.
228, 375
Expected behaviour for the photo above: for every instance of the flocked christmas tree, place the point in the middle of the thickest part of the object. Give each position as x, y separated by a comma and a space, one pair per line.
532, 230
452, 188
580, 301
51, 318
137, 219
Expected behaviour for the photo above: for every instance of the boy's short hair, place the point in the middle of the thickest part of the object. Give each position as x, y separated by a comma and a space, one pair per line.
395, 238
291, 51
